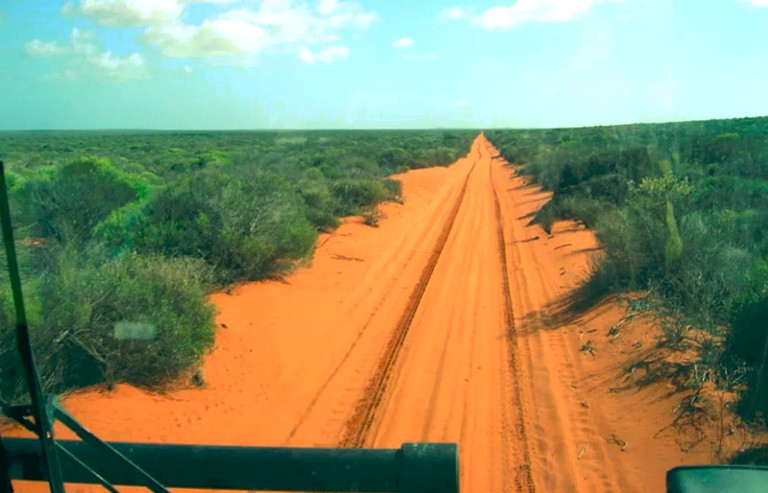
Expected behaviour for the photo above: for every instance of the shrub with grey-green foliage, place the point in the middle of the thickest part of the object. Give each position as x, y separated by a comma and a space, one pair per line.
12, 377
77, 305
246, 224
710, 273
66, 202
352, 194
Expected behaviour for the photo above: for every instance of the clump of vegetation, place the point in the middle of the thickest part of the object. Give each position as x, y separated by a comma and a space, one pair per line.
131, 318
371, 217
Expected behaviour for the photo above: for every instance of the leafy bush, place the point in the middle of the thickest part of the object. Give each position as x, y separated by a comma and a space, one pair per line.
747, 342
353, 194
67, 202
80, 309
245, 226
393, 158
320, 204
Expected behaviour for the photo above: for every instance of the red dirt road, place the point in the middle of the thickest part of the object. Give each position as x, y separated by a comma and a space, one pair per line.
432, 327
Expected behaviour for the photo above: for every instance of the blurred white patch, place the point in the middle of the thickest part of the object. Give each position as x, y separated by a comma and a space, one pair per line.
403, 43
134, 331
453, 13
326, 55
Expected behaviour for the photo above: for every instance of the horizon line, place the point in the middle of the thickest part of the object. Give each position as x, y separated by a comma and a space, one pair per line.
364, 129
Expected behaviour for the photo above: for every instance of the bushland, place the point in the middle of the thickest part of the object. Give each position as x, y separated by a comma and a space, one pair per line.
681, 210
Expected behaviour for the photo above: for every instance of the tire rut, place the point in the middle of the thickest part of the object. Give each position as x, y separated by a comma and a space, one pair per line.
524, 477
357, 426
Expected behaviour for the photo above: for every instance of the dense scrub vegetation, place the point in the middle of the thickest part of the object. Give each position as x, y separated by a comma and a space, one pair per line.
681, 210
123, 234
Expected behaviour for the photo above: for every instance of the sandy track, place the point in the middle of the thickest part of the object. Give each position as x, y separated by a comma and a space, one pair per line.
453, 381
561, 431
436, 326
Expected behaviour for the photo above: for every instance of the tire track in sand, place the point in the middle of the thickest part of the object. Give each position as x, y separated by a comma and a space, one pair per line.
357, 426
524, 478
564, 436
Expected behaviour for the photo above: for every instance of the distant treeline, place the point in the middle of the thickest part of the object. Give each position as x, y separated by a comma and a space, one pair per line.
121, 235
681, 210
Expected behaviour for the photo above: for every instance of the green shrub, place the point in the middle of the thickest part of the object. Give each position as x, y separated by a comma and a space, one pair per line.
353, 194
80, 310
67, 202
245, 225
709, 274
320, 204
393, 158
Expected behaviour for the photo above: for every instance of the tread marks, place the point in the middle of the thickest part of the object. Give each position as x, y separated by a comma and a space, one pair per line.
357, 427
524, 477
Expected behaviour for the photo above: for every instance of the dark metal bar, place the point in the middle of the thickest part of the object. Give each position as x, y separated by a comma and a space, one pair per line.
5, 477
414, 468
420, 463
718, 479
98, 478
43, 426
141, 476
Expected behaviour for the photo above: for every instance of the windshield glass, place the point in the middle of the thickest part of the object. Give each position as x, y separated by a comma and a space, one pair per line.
533, 228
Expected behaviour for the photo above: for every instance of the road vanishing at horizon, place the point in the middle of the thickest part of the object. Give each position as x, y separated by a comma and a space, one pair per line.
432, 327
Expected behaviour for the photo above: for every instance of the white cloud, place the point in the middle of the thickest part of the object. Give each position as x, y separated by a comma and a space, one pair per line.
233, 36
130, 67
525, 11
38, 47
86, 58
79, 43
247, 32
403, 43
454, 13
126, 13
326, 55
755, 3
213, 38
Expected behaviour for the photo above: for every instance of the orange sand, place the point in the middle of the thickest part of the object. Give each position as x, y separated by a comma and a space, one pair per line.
416, 331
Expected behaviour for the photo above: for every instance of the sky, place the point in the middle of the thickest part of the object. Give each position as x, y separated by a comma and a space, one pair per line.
309, 64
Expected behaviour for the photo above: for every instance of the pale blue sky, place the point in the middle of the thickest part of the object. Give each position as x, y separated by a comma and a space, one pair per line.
195, 64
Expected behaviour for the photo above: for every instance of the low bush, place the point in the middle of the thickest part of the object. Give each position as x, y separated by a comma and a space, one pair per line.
65, 203
142, 320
